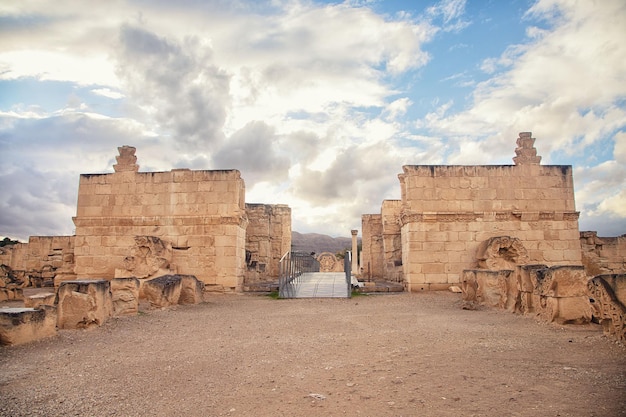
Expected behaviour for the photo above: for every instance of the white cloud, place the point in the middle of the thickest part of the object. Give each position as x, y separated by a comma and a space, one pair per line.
107, 92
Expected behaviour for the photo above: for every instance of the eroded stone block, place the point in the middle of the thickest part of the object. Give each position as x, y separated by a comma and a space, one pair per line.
608, 309
561, 281
34, 301
163, 291
568, 310
23, 325
83, 304
169, 290
125, 296
191, 291
485, 287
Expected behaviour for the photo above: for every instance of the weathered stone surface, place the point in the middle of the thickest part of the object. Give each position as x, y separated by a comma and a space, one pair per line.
501, 252
609, 309
125, 296
329, 262
198, 215
9, 294
560, 281
485, 287
603, 255
23, 325
528, 300
567, 310
83, 304
163, 291
495, 217
552, 293
36, 300
191, 290
148, 256
268, 238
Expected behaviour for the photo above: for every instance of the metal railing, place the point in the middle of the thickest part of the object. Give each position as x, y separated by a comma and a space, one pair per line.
292, 266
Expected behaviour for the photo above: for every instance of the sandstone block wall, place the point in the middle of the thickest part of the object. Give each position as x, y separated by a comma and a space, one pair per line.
449, 210
200, 213
40, 260
603, 255
448, 215
268, 237
392, 242
372, 252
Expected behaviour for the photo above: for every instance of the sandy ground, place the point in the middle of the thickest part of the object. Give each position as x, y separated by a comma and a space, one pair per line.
383, 355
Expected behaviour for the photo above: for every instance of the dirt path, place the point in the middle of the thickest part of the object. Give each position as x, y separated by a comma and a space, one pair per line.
392, 355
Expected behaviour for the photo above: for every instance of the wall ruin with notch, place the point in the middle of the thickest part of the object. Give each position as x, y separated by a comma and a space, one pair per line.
200, 214
268, 238
372, 247
447, 212
136, 224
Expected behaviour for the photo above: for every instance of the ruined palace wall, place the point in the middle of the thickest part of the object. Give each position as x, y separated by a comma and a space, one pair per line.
372, 247
603, 255
392, 242
449, 210
201, 213
39, 252
268, 237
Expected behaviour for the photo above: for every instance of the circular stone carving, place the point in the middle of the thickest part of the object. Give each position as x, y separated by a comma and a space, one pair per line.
502, 252
327, 262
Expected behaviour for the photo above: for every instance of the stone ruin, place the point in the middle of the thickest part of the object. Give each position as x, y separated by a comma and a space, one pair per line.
161, 236
329, 262
507, 234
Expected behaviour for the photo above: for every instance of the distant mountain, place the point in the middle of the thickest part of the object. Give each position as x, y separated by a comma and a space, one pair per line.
314, 242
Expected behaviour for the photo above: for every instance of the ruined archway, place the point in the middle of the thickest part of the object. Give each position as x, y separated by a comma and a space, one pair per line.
500, 253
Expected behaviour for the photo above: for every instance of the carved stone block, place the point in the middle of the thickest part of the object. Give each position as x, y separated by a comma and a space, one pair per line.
191, 291
23, 325
83, 304
125, 296
169, 290
163, 291
561, 281
608, 309
34, 301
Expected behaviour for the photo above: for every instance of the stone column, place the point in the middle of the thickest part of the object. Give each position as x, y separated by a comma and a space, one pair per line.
355, 254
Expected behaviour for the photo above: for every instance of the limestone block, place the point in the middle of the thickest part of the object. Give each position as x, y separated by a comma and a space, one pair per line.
125, 296
83, 304
34, 301
492, 287
10, 294
191, 291
568, 310
163, 291
608, 309
525, 276
560, 281
23, 325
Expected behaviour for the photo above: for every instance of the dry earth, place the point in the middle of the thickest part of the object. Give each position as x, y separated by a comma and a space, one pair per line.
384, 355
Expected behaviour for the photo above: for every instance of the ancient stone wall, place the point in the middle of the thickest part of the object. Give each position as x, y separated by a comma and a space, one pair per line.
200, 214
392, 242
448, 211
268, 237
372, 247
603, 255
37, 262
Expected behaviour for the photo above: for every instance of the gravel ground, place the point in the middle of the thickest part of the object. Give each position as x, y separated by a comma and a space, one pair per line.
383, 355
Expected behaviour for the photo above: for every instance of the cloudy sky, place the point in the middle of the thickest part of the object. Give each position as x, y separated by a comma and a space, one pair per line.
317, 103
